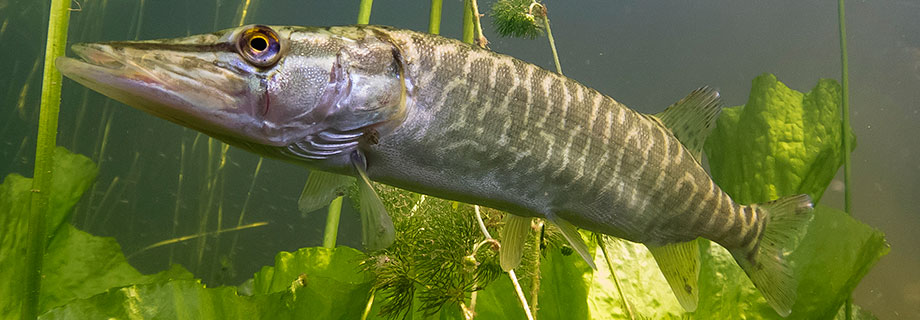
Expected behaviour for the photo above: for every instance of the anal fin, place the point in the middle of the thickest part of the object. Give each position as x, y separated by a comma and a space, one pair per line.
571, 234
321, 188
680, 264
514, 234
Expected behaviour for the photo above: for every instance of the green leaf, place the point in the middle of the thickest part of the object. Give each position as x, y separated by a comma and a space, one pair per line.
180, 299
79, 265
342, 264
73, 174
781, 142
834, 256
329, 283
563, 286
647, 292
563, 291
827, 266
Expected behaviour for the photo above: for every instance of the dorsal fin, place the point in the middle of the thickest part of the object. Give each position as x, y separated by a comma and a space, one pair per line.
692, 118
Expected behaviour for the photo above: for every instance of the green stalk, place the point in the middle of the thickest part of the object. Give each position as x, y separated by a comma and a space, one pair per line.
468, 21
845, 124
434, 17
552, 43
58, 18
364, 11
332, 223
845, 108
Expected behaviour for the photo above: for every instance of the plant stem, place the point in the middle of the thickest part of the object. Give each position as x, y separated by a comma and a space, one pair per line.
239, 221
58, 18
369, 306
616, 281
520, 293
480, 38
243, 12
196, 236
845, 127
468, 21
332, 223
535, 280
434, 17
175, 221
552, 42
511, 274
364, 11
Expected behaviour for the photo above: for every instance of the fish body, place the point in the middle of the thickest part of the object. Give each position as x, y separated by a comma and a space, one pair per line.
436, 116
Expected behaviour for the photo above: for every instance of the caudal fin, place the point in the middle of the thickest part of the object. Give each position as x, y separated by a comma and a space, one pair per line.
769, 267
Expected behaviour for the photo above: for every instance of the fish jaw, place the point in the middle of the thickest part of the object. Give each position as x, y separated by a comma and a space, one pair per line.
187, 88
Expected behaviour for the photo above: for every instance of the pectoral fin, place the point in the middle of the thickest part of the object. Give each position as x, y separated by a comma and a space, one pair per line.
320, 189
680, 264
571, 234
514, 234
378, 232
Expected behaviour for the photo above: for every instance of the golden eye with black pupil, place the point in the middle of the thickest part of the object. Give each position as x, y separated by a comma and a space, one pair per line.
260, 46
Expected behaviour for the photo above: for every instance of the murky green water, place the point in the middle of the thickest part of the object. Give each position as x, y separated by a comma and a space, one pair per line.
159, 181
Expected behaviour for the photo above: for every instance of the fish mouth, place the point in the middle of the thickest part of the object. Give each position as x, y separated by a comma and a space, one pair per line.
186, 87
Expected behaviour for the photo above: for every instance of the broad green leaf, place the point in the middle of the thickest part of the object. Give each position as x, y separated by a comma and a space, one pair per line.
564, 281
828, 266
179, 299
647, 292
342, 264
79, 265
834, 256
781, 142
73, 174
329, 283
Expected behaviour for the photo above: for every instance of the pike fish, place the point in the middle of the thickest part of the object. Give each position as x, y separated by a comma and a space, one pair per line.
424, 113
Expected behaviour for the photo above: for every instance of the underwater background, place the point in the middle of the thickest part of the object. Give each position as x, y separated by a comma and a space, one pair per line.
159, 181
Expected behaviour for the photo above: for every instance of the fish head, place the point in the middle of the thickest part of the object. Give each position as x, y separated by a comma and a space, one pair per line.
261, 88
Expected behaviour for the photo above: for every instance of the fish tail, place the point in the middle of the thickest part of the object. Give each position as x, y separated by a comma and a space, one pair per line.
767, 264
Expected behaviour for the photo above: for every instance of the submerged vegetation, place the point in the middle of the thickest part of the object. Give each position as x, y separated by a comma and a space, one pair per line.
442, 264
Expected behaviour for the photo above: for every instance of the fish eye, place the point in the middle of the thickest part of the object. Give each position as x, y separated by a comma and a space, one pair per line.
260, 46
